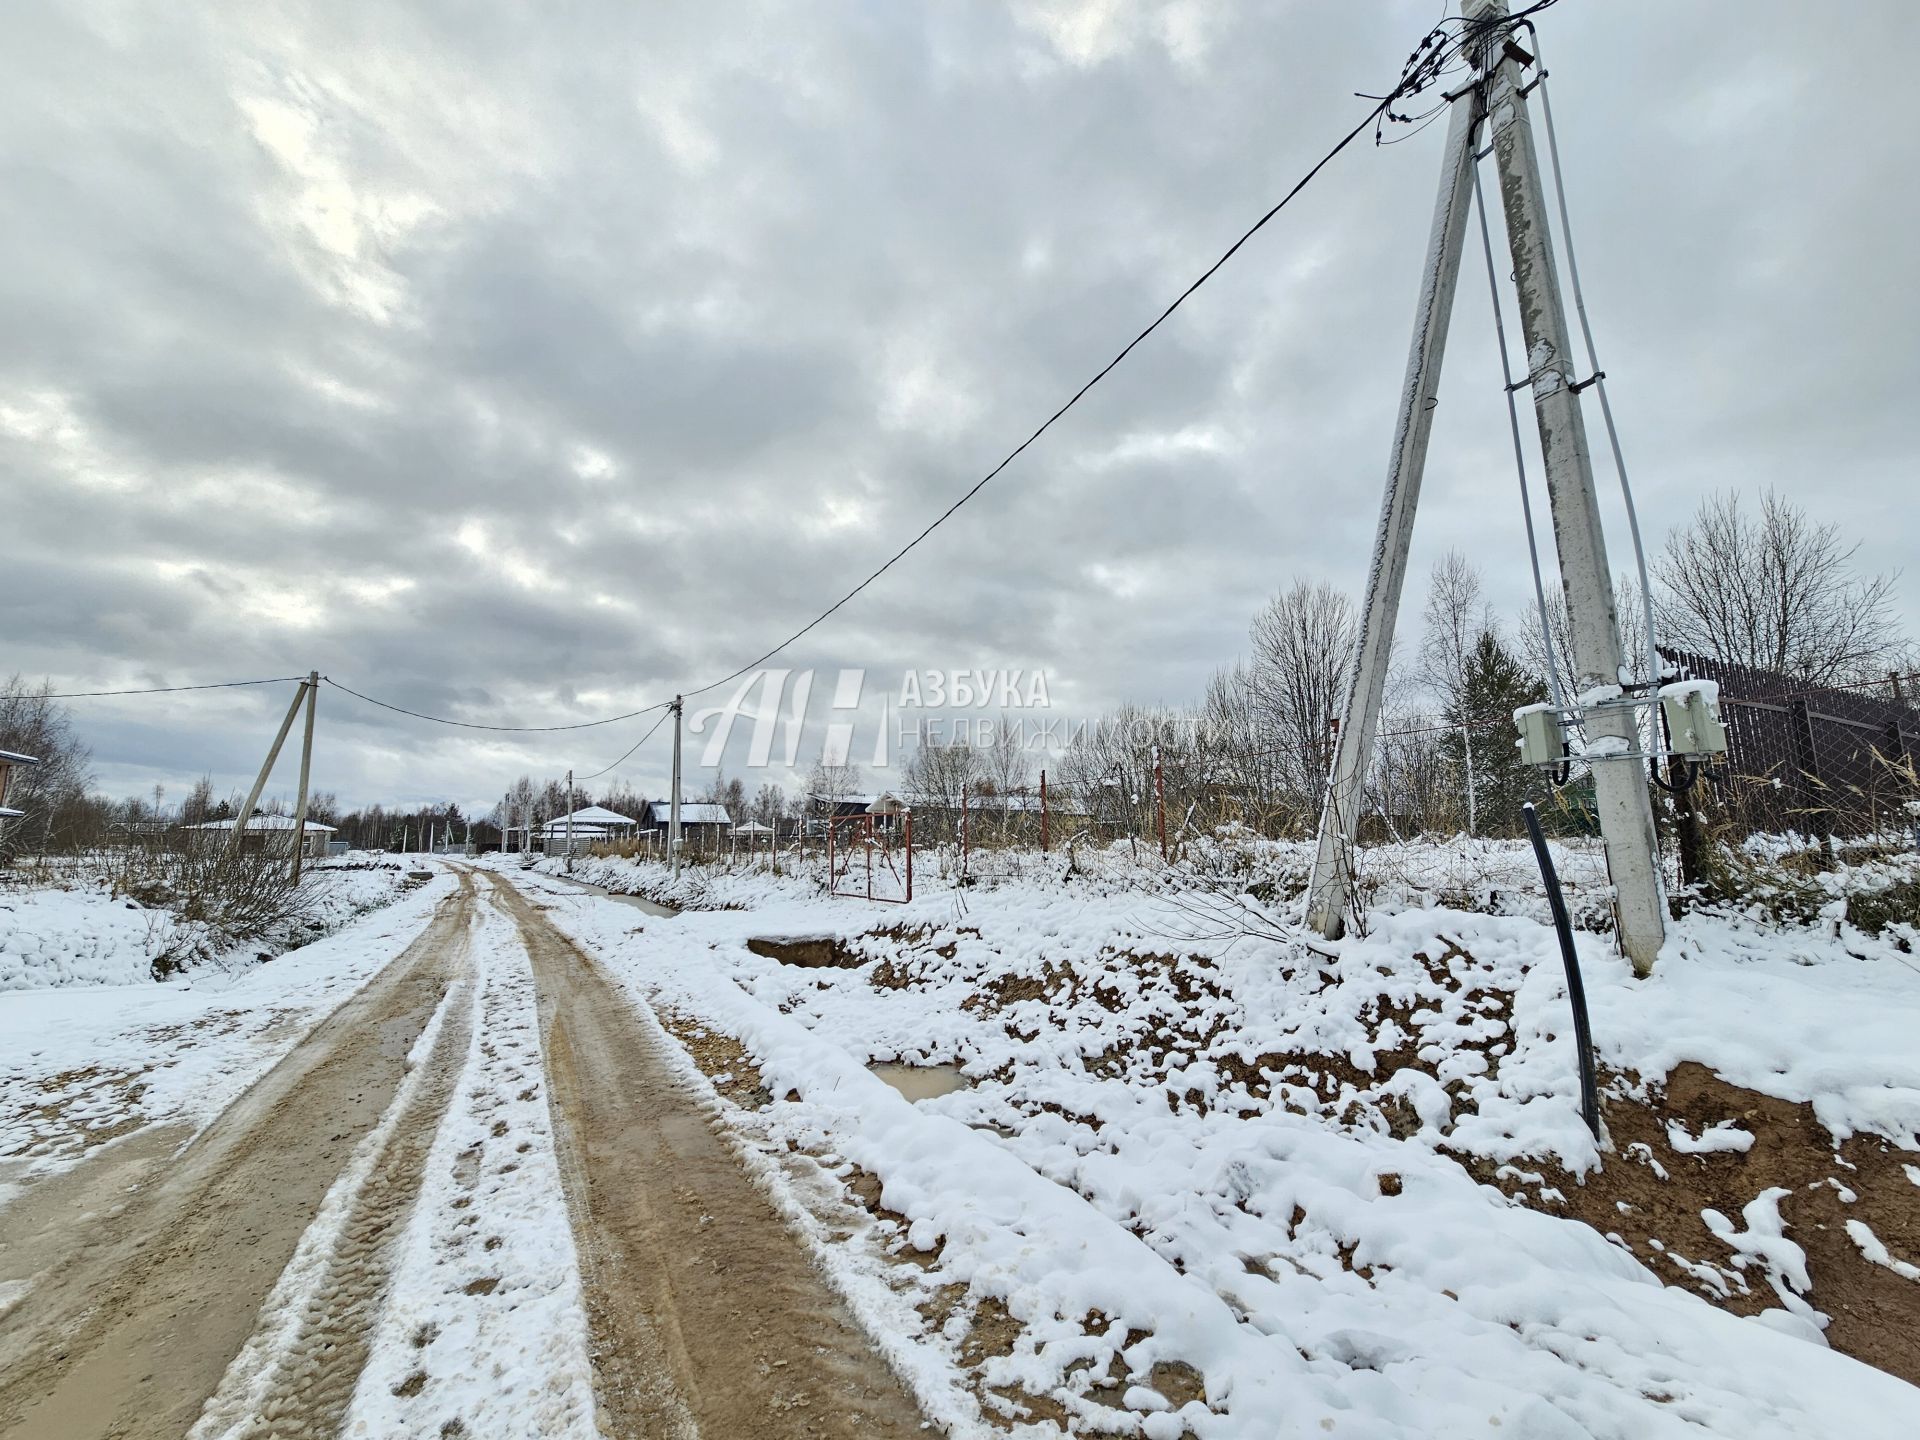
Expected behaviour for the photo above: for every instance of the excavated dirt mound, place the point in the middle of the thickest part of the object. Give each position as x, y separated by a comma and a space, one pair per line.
1864, 1179
813, 952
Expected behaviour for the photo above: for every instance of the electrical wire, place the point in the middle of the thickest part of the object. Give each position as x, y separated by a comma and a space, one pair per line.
1599, 380
1438, 54
510, 729
1519, 451
167, 689
581, 780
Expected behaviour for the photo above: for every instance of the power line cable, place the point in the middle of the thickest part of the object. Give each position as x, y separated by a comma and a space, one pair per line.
1437, 55
581, 780
476, 725
166, 689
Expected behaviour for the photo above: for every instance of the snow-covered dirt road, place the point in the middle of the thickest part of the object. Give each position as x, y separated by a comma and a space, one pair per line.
478, 1199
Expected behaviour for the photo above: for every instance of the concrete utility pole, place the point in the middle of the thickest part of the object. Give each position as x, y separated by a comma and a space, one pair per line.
1330, 887
1613, 735
569, 822
306, 768
673, 802
260, 781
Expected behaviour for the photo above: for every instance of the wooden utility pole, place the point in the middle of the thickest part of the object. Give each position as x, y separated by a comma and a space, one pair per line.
673, 802
1330, 886
306, 768
1612, 727
260, 781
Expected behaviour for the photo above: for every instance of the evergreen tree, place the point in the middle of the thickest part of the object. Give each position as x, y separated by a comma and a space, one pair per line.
1493, 684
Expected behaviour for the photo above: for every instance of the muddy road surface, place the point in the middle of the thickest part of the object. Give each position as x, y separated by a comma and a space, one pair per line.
158, 1281
708, 1316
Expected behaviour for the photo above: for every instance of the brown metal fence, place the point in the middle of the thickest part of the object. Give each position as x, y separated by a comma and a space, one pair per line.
1826, 761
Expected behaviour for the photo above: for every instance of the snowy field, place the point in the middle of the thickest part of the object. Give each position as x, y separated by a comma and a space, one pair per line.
67, 928
104, 1050
1247, 1188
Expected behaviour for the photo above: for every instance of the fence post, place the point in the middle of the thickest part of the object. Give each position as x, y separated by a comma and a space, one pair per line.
1043, 812
1807, 758
1159, 804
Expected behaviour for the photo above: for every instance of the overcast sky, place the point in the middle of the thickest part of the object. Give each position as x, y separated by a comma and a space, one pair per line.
526, 363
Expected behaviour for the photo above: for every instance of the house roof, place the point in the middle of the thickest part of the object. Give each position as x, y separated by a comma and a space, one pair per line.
753, 827
261, 822
560, 827
595, 815
690, 814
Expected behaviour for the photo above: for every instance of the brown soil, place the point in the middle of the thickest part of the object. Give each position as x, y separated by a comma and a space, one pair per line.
1874, 1310
818, 953
147, 1271
706, 1313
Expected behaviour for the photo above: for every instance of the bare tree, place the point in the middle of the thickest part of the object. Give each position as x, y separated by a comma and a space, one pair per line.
1457, 613
769, 806
1531, 644
938, 776
198, 805
1776, 592
53, 793
1303, 643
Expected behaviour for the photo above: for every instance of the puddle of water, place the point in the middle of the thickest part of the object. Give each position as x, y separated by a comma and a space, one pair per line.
921, 1082
638, 902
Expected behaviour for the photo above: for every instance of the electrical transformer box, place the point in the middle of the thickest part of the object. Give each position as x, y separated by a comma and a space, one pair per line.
1540, 742
1693, 718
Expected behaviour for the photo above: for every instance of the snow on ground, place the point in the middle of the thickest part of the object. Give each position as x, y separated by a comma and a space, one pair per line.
81, 1064
1240, 1189
72, 930
484, 1322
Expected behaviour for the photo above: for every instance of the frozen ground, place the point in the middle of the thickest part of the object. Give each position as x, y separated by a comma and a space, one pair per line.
66, 928
1250, 1189
1195, 1182
82, 1063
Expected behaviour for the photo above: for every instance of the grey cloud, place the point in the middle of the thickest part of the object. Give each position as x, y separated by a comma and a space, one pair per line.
706, 310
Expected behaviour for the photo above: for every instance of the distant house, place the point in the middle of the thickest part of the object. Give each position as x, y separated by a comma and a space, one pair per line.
701, 824
9, 759
271, 832
595, 825
884, 808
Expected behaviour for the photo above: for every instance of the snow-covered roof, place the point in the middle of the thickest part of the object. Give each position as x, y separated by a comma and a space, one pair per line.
561, 827
690, 814
261, 822
595, 815
753, 827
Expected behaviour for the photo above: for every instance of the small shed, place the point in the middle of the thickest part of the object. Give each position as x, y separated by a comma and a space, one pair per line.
273, 832
555, 835
9, 759
701, 824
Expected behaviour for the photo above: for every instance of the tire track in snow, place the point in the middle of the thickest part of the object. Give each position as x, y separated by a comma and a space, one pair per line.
709, 1314
296, 1374
148, 1271
484, 1329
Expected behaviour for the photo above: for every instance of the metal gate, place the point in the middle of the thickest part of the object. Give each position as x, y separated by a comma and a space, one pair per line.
866, 861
